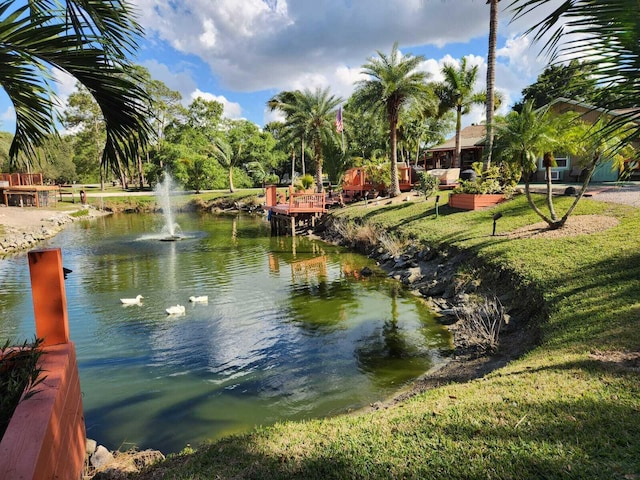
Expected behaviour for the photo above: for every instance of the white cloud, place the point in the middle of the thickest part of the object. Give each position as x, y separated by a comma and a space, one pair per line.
176, 77
231, 110
256, 45
9, 115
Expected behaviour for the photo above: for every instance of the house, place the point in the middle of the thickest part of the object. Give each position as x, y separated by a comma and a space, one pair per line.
471, 147
568, 170
473, 140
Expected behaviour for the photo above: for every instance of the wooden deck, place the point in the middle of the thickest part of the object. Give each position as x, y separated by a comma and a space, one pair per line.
299, 210
31, 195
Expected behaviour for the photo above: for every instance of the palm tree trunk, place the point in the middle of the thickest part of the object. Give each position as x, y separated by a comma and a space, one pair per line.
231, 189
532, 204
456, 155
394, 188
548, 162
302, 157
491, 79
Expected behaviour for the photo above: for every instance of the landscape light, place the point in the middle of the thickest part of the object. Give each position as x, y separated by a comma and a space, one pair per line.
495, 217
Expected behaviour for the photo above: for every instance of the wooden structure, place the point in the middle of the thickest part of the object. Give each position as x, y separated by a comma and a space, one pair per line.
299, 210
26, 189
448, 177
355, 183
472, 139
46, 435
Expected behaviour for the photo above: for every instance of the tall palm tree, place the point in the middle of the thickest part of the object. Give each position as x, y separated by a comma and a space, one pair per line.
393, 82
310, 115
610, 48
89, 41
491, 78
457, 93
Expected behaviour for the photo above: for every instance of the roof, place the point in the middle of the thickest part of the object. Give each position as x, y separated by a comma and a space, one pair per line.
471, 136
629, 111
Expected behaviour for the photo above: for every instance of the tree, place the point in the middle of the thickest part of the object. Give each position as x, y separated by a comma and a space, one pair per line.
89, 41
573, 80
457, 93
524, 137
491, 78
607, 38
83, 114
310, 115
393, 81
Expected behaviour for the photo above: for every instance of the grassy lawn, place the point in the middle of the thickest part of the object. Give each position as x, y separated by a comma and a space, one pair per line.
570, 408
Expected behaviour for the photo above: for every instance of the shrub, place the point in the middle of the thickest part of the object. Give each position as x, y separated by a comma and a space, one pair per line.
429, 184
481, 323
19, 375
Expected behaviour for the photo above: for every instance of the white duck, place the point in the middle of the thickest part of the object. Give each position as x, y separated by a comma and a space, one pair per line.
175, 310
200, 299
131, 301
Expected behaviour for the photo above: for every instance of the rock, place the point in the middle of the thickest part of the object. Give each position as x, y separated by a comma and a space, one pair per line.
90, 446
366, 272
412, 276
101, 457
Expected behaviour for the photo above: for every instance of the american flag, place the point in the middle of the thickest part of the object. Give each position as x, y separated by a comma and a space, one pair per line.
339, 125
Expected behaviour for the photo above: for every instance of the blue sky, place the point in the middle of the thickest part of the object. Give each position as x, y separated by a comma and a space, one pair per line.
242, 52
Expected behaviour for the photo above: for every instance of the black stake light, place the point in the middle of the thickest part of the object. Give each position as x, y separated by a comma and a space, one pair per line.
496, 216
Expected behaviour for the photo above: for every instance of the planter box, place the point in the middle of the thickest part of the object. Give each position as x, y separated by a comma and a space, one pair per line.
474, 201
46, 436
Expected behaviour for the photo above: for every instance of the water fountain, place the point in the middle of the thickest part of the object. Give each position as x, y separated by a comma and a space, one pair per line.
171, 230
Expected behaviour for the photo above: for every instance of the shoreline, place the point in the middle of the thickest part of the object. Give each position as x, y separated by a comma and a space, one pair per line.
25, 227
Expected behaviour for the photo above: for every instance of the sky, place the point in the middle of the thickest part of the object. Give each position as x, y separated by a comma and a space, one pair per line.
242, 52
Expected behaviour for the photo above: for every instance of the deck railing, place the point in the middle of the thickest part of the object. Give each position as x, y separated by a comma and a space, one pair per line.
299, 202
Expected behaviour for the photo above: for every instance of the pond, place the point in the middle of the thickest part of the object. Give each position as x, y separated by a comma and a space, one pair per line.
291, 330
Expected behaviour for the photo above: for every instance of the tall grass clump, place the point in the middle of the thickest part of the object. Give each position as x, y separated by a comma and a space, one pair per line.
20, 374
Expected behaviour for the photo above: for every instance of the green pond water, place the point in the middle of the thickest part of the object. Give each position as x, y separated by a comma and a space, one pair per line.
290, 329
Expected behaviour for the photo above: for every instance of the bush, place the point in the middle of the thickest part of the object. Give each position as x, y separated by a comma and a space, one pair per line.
19, 375
429, 184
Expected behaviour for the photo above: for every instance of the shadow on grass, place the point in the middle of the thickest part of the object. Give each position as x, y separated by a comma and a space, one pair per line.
553, 439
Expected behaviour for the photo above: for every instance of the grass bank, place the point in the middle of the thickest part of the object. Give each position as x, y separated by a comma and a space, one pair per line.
569, 408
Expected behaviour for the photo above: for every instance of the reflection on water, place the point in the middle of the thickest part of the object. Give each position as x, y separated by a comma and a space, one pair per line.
290, 330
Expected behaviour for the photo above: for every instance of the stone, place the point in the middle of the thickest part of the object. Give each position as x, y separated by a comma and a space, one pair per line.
101, 457
90, 446
366, 272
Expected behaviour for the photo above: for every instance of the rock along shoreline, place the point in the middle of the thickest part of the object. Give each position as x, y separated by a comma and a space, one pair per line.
18, 237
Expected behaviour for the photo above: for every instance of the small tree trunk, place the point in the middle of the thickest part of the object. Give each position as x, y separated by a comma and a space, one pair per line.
394, 188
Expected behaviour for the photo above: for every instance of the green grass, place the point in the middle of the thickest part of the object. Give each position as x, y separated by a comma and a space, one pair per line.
179, 201
570, 408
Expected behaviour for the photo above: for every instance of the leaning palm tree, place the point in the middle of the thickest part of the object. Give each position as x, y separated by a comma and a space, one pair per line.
88, 40
456, 92
606, 36
394, 81
524, 137
224, 153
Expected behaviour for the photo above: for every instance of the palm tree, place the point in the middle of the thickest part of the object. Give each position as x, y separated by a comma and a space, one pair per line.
310, 115
457, 93
491, 78
223, 152
610, 49
524, 137
393, 82
89, 41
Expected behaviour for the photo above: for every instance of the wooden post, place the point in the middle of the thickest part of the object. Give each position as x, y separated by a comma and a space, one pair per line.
49, 296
